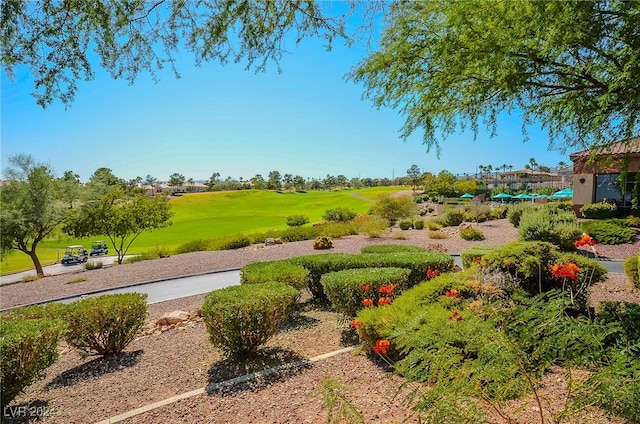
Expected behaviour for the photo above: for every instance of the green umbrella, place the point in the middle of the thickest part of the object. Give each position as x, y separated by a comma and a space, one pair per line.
502, 196
467, 196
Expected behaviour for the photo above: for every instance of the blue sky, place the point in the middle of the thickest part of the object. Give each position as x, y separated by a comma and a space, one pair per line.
307, 120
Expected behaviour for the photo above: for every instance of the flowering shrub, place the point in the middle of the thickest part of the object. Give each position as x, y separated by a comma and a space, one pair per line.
351, 290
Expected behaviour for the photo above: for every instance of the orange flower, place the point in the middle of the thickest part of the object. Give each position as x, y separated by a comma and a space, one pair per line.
365, 287
455, 316
565, 270
586, 240
367, 302
382, 346
388, 290
432, 273
384, 301
453, 293
355, 323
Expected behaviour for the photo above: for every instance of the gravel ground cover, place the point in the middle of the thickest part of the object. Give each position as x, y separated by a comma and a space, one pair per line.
170, 360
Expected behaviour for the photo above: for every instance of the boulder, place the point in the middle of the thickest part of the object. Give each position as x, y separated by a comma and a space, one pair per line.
270, 241
174, 317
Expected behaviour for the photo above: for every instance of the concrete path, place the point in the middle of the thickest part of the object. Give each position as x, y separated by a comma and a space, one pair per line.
174, 288
58, 269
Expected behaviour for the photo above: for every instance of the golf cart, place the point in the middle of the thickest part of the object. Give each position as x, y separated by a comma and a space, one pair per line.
75, 254
99, 247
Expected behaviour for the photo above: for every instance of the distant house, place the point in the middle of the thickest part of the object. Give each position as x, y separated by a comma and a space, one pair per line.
597, 173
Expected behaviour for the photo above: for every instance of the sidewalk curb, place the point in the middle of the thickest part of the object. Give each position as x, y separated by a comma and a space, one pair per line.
212, 387
141, 283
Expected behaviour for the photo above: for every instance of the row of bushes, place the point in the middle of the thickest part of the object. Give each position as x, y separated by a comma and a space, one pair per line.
295, 233
241, 318
29, 336
292, 271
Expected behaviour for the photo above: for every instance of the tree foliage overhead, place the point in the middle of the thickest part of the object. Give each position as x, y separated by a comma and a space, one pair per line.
56, 38
572, 66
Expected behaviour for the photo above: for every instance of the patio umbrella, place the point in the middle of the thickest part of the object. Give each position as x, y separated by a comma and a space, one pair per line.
523, 196
502, 196
567, 192
467, 196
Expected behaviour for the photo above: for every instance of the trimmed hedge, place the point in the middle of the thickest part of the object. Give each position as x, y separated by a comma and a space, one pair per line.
417, 262
239, 319
106, 324
280, 271
609, 232
391, 248
632, 269
344, 288
602, 210
27, 348
474, 253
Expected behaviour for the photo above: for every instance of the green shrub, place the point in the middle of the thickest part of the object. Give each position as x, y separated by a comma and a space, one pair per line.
338, 229
92, 265
632, 269
193, 246
235, 241
478, 213
300, 233
609, 231
240, 319
471, 234
405, 224
345, 288
529, 266
418, 224
322, 243
417, 262
626, 314
474, 253
391, 248
525, 262
339, 215
280, 271
559, 228
499, 213
106, 324
297, 220
634, 221
27, 348
433, 225
438, 235
451, 218
514, 212
372, 226
602, 210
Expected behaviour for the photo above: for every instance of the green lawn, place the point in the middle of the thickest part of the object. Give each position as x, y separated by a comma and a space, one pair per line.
215, 214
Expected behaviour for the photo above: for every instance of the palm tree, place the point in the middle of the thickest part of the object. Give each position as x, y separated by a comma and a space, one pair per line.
533, 163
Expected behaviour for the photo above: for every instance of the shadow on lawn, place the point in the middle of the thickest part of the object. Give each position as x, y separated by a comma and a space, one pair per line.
270, 364
95, 368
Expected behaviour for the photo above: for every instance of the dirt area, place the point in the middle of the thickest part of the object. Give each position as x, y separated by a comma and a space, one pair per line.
172, 360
